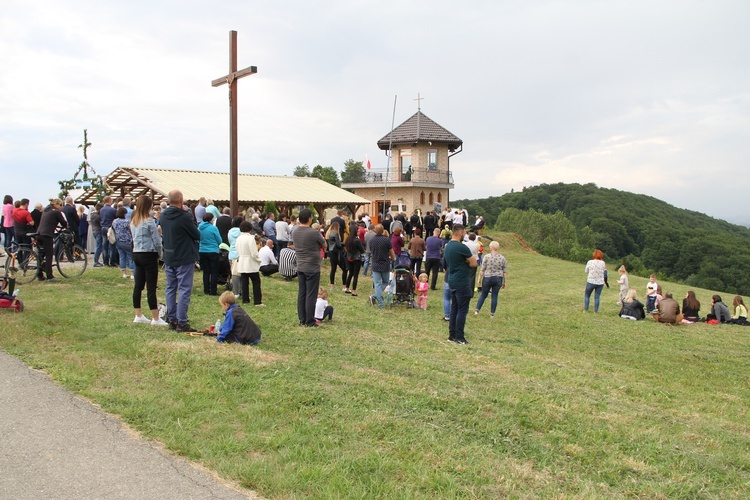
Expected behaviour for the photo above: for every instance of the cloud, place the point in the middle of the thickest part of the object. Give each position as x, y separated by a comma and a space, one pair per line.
623, 95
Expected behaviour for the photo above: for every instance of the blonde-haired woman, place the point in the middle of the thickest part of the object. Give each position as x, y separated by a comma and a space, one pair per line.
632, 308
494, 277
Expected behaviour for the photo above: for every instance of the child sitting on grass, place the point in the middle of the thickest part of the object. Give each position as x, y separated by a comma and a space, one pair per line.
422, 287
322, 309
237, 326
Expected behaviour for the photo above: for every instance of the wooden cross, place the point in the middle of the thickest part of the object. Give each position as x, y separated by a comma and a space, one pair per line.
231, 80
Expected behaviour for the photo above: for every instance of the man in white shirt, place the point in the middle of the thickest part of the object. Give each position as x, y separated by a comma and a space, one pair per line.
282, 232
268, 263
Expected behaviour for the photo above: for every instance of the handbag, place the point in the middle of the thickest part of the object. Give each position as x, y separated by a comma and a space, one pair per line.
111, 236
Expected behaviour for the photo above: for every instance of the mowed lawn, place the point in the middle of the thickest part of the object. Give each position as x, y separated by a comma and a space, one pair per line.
546, 401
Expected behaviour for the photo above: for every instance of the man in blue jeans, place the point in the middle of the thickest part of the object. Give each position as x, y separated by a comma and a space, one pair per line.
381, 256
180, 241
458, 261
106, 217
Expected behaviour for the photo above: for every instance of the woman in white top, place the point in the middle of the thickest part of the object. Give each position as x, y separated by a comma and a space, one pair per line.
248, 264
595, 268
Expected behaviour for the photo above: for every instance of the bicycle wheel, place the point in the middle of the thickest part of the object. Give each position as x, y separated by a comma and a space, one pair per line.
71, 261
24, 264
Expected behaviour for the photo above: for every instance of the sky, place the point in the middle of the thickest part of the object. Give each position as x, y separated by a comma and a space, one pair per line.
651, 97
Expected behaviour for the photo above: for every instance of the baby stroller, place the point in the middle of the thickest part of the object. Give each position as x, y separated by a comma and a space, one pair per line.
225, 269
403, 282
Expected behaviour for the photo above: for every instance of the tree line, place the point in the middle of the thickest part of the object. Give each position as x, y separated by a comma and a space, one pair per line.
648, 235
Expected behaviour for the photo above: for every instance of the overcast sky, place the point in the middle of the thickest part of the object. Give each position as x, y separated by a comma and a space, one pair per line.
650, 96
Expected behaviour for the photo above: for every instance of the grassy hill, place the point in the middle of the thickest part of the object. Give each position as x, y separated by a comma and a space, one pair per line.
645, 233
545, 401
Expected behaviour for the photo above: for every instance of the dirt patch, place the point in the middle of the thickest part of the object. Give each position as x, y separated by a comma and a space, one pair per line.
209, 347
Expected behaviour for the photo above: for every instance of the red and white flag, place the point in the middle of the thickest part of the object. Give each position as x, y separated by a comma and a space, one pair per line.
367, 162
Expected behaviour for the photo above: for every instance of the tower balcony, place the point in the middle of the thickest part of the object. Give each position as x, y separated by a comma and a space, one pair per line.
378, 177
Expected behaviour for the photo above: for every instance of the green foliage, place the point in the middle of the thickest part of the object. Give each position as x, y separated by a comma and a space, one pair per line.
82, 175
551, 234
270, 207
353, 172
302, 171
653, 235
327, 174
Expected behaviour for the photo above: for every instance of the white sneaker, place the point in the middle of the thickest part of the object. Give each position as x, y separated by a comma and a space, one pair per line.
132, 277
141, 319
159, 322
124, 275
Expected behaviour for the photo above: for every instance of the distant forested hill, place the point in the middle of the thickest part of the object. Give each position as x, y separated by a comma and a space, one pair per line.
569, 220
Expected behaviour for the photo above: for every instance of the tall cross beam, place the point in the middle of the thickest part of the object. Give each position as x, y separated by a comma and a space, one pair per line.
231, 80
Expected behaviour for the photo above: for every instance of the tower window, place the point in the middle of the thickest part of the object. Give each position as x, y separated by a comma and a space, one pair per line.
432, 159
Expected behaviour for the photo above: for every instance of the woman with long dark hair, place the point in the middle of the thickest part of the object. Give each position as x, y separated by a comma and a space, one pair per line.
335, 255
146, 252
354, 250
690, 308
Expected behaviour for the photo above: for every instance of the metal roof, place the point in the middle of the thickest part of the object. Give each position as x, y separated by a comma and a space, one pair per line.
252, 189
420, 128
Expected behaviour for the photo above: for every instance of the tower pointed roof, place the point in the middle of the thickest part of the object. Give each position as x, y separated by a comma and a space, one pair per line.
420, 128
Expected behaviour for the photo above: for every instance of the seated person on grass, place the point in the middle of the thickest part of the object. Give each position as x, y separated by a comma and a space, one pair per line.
719, 311
237, 326
668, 310
740, 312
632, 308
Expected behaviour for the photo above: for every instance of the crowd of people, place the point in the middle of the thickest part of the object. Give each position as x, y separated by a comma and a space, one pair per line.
662, 307
136, 236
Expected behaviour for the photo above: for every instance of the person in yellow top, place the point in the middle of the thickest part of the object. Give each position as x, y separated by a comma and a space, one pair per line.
740, 312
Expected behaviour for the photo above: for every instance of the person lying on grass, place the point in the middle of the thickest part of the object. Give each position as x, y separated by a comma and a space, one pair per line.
238, 326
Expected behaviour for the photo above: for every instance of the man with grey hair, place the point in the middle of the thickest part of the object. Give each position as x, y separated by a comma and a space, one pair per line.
71, 215
180, 241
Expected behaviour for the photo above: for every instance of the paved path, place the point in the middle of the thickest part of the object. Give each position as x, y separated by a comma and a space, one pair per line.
54, 444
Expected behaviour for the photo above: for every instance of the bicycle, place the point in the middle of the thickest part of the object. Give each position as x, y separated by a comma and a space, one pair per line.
23, 263
71, 259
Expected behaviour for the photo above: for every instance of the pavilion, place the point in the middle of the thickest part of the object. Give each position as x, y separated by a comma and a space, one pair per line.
287, 192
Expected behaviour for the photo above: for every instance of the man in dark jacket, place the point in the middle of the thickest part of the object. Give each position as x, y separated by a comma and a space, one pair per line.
107, 215
71, 215
51, 218
180, 240
224, 224
36, 214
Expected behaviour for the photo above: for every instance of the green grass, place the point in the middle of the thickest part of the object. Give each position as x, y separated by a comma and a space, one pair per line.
546, 401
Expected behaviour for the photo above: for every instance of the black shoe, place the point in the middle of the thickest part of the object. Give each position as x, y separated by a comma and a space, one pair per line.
185, 328
173, 325
52, 280
451, 339
461, 341
446, 318
314, 325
